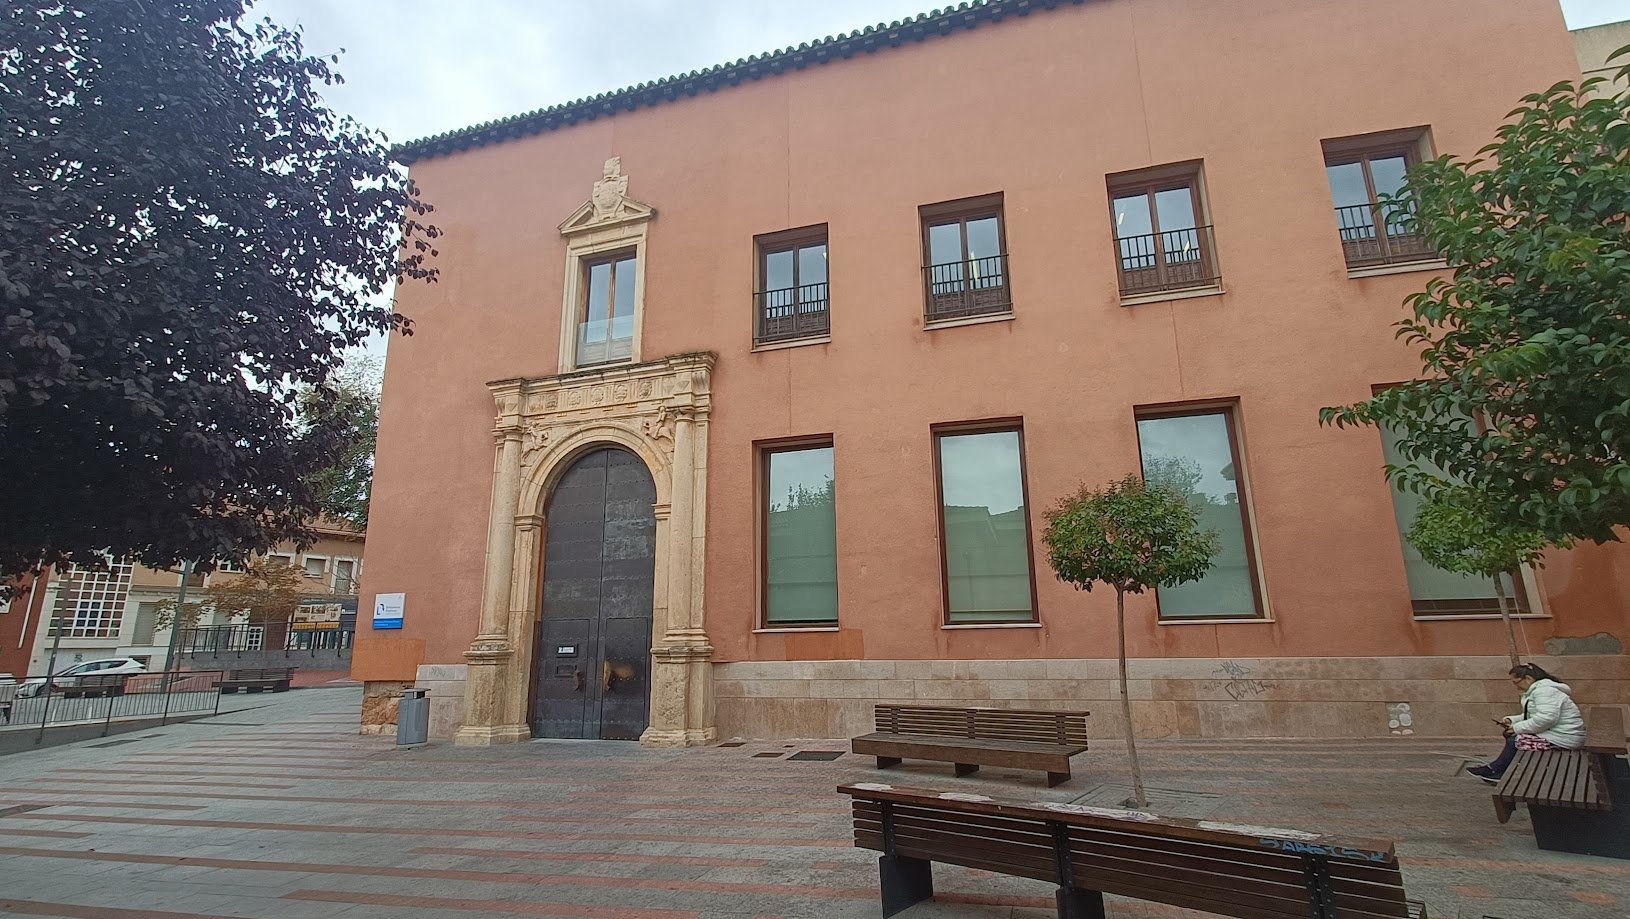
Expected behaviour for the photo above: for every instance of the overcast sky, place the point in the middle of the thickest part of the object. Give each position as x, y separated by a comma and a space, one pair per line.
419, 67
414, 68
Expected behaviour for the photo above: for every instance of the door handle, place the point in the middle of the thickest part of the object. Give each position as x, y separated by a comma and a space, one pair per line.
610, 675
577, 677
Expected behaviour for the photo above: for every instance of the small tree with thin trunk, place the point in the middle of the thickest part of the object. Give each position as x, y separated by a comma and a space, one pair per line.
1458, 530
1133, 537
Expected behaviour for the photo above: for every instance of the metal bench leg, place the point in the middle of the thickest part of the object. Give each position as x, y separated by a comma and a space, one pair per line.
1057, 778
884, 762
1075, 903
905, 882
966, 768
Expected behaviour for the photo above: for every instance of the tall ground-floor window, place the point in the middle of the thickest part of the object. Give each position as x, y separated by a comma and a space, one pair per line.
984, 525
1432, 590
800, 551
1195, 453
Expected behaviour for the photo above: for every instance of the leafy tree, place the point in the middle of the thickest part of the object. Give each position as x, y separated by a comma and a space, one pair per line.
188, 237
342, 489
1531, 334
266, 593
1132, 537
1460, 529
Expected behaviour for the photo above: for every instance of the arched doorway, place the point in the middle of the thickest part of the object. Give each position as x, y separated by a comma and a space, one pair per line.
593, 660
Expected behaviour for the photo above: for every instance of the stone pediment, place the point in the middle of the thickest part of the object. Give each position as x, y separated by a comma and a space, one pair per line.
609, 204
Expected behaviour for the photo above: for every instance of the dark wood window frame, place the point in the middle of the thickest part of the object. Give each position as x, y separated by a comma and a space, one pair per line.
762, 451
586, 265
799, 317
1521, 602
1390, 248
1161, 277
984, 426
948, 304
1229, 409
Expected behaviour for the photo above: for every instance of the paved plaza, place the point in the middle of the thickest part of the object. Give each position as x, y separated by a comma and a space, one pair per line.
282, 810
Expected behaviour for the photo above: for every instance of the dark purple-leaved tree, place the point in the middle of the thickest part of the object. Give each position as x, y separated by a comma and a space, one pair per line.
190, 239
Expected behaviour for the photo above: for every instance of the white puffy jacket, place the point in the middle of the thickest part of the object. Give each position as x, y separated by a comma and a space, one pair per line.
1548, 711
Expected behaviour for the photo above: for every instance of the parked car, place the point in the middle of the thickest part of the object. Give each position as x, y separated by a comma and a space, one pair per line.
82, 673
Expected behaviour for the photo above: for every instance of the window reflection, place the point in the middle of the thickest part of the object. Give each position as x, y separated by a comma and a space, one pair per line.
986, 531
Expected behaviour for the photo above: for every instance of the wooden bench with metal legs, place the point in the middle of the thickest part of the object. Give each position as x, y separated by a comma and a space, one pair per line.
255, 679
974, 737
1578, 800
1230, 870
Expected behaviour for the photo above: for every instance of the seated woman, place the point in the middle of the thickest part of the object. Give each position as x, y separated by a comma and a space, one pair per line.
1549, 719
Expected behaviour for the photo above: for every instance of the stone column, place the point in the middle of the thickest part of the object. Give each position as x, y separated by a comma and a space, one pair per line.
681, 674
491, 655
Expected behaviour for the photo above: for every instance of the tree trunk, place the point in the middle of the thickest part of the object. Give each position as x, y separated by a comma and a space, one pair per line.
1126, 702
1505, 617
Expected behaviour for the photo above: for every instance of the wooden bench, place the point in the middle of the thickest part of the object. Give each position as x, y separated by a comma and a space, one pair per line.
1578, 800
277, 679
974, 737
1242, 871
95, 684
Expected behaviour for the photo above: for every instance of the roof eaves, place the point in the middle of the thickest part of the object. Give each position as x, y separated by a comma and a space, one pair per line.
879, 37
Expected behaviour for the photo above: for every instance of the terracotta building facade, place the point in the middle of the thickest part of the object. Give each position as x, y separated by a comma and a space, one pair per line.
742, 396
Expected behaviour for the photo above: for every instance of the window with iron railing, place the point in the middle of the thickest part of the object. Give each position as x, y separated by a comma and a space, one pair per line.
1375, 222
605, 325
792, 300
1162, 242
966, 271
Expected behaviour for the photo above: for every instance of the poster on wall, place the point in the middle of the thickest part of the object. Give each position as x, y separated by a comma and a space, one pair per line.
388, 610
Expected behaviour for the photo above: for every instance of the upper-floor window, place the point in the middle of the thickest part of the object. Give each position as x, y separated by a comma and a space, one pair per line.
965, 249
1163, 241
1194, 453
791, 300
605, 319
91, 603
345, 575
1362, 171
315, 566
984, 524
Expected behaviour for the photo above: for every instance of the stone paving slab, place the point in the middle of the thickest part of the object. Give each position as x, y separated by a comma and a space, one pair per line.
284, 811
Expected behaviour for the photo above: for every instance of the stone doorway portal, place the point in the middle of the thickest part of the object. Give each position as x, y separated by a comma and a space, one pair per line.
593, 654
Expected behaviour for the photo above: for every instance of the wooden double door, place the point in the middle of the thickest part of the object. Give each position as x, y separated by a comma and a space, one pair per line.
593, 657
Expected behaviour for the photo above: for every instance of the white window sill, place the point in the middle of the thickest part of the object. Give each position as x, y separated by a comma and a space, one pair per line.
1246, 620
990, 625
792, 343
1375, 271
1167, 295
811, 628
970, 320
1452, 617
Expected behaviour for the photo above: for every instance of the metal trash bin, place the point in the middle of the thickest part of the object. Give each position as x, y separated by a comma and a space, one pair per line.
413, 717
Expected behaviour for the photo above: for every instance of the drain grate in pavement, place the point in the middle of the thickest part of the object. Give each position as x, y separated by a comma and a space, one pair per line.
767, 753
113, 743
819, 756
21, 809
1167, 802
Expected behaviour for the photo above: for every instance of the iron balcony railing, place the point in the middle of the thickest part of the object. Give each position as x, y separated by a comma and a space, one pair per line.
791, 313
1381, 234
972, 287
285, 637
1170, 260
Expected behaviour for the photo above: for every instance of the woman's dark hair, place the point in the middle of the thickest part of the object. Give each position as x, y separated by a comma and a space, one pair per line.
1533, 670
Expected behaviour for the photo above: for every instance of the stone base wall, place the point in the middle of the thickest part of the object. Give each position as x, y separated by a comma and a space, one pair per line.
1188, 697
380, 700
446, 685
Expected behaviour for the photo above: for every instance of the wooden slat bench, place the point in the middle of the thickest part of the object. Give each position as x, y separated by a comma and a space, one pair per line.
95, 684
974, 737
277, 679
1578, 800
1241, 871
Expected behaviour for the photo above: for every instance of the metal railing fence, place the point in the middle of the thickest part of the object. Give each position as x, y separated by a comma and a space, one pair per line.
105, 698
